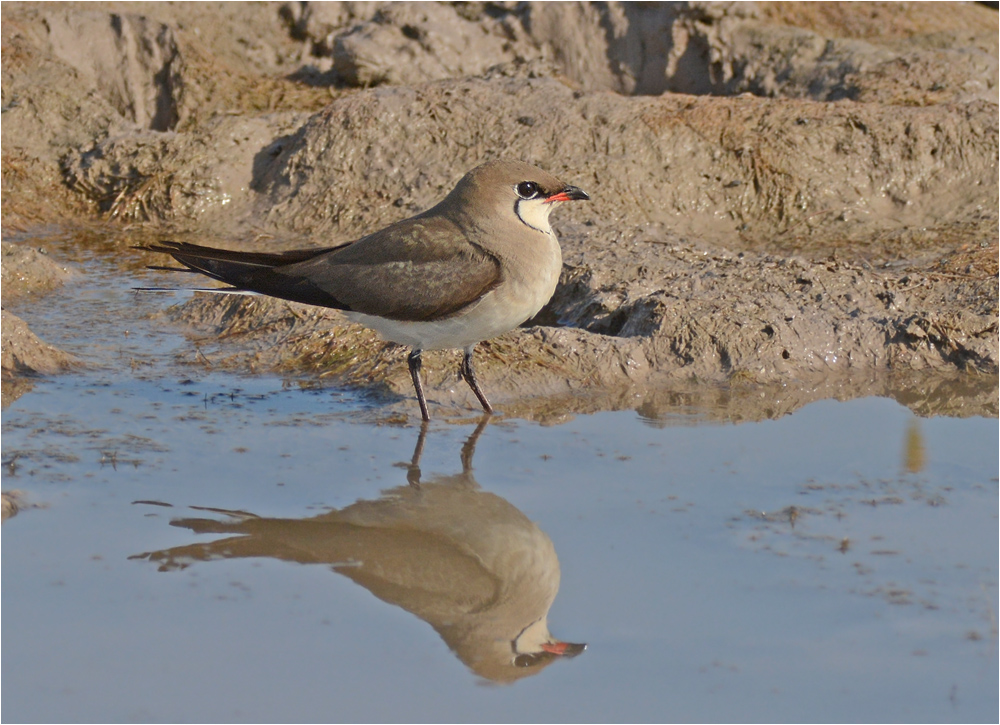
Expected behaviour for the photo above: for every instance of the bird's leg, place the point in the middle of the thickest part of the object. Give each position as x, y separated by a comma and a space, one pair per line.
469, 374
414, 362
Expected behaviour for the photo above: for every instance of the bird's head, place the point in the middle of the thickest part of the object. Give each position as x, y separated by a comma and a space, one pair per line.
512, 190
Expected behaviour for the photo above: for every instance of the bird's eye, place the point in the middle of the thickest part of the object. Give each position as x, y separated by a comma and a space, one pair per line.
527, 190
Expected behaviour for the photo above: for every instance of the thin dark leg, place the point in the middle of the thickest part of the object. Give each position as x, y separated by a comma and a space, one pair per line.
469, 374
414, 362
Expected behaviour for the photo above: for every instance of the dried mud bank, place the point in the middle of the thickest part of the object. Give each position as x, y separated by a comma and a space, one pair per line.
791, 329
784, 194
27, 273
735, 172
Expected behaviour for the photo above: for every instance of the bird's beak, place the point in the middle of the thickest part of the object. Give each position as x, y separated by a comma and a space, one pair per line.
569, 193
564, 649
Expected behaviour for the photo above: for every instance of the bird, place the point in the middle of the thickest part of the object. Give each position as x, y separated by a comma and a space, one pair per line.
476, 265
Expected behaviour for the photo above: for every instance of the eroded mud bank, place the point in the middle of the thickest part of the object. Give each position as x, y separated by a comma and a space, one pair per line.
782, 197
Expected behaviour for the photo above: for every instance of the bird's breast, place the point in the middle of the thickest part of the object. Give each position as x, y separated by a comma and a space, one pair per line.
533, 274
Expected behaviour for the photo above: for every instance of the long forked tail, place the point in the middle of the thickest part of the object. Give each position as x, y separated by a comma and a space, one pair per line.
232, 267
246, 272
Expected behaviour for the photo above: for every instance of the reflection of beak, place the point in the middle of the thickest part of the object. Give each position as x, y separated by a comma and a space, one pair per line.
550, 650
564, 649
569, 193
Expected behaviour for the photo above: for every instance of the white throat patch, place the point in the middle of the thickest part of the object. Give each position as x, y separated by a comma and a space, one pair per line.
534, 213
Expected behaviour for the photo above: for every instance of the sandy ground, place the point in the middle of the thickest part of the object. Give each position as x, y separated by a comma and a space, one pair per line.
790, 200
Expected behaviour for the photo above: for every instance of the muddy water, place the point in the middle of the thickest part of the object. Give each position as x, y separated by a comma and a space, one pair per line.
195, 545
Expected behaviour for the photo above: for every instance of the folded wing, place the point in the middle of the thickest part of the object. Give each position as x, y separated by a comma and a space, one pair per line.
414, 270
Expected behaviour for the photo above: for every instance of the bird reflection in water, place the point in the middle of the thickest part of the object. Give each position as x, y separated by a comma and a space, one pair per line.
462, 559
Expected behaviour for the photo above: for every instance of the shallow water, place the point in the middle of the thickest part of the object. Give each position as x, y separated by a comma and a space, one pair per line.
210, 547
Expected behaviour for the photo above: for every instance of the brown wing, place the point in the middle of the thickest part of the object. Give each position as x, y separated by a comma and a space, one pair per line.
413, 270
